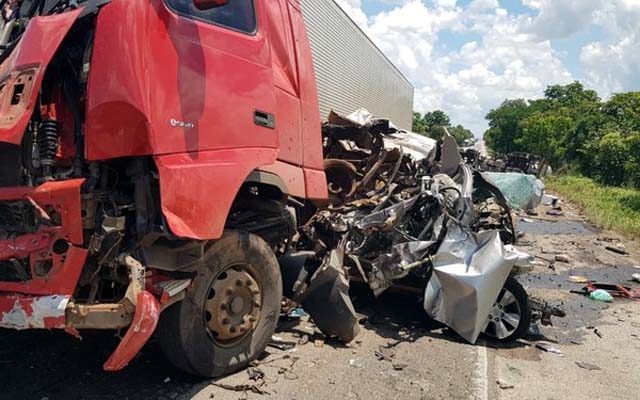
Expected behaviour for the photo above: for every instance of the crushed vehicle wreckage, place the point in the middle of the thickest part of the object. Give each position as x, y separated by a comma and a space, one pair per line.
405, 209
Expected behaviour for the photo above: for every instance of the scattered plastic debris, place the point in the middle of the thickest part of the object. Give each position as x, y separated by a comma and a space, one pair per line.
601, 295
549, 200
578, 279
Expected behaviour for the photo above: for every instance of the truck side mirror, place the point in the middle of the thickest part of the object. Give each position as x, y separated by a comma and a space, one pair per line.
209, 4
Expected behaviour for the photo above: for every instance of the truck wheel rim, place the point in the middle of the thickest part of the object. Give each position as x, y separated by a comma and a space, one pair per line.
504, 316
233, 305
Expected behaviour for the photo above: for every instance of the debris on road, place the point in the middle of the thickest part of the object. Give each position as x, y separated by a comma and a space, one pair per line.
255, 375
636, 277
550, 200
617, 249
281, 344
555, 212
601, 295
504, 385
562, 258
611, 290
578, 279
549, 348
588, 366
543, 311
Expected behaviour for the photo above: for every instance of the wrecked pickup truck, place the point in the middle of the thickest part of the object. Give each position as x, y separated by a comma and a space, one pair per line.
406, 210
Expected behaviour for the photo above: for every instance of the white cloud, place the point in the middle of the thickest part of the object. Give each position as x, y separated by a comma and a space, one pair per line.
483, 4
613, 64
560, 19
353, 8
508, 55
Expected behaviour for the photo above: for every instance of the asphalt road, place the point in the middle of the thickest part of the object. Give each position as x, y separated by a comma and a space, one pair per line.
420, 359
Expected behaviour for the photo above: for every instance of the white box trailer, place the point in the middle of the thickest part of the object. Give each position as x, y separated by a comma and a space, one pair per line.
351, 71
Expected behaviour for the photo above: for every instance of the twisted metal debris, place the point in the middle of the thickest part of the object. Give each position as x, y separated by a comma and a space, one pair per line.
403, 209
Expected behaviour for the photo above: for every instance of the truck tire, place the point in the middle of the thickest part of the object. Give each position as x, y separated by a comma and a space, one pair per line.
230, 313
510, 316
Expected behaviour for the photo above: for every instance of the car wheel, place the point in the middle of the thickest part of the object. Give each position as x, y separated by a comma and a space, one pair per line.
510, 316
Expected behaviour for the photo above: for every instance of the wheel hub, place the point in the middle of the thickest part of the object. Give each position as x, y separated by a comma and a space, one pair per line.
504, 316
233, 305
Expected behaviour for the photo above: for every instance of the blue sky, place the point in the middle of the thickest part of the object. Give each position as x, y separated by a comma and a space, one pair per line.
466, 56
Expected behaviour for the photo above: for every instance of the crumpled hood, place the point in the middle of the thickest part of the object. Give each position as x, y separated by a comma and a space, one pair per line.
22, 72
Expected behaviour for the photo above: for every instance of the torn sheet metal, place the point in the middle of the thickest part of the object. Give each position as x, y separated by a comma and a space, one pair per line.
469, 270
327, 299
29, 312
395, 218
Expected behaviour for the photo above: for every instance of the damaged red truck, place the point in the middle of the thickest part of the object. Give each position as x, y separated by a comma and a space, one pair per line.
154, 154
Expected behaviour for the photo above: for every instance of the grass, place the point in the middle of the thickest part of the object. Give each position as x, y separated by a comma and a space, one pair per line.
609, 207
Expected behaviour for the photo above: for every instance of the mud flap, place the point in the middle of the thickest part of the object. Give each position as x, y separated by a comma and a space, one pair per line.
144, 324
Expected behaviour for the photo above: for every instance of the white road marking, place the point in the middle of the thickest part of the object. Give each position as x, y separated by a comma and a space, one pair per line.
482, 373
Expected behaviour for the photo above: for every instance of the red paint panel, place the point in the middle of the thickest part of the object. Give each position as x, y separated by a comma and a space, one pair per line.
211, 77
291, 175
289, 124
24, 245
64, 198
117, 120
197, 189
311, 133
34, 52
186, 85
316, 184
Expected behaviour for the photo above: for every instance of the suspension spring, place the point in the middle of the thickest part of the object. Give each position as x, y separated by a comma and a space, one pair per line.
48, 142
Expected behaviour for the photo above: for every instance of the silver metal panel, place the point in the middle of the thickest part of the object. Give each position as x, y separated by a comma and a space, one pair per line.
351, 71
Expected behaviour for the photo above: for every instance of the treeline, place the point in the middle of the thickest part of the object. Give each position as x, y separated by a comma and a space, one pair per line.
572, 129
432, 124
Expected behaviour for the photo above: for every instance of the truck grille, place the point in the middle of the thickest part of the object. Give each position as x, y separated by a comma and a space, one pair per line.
10, 165
17, 218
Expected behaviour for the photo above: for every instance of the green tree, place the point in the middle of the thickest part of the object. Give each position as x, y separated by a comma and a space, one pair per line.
623, 110
460, 133
418, 123
504, 126
436, 118
544, 135
571, 95
612, 155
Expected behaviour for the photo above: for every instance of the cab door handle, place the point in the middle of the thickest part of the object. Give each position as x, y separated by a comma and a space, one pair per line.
265, 119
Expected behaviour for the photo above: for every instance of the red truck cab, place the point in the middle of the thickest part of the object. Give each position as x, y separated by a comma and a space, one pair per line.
154, 158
